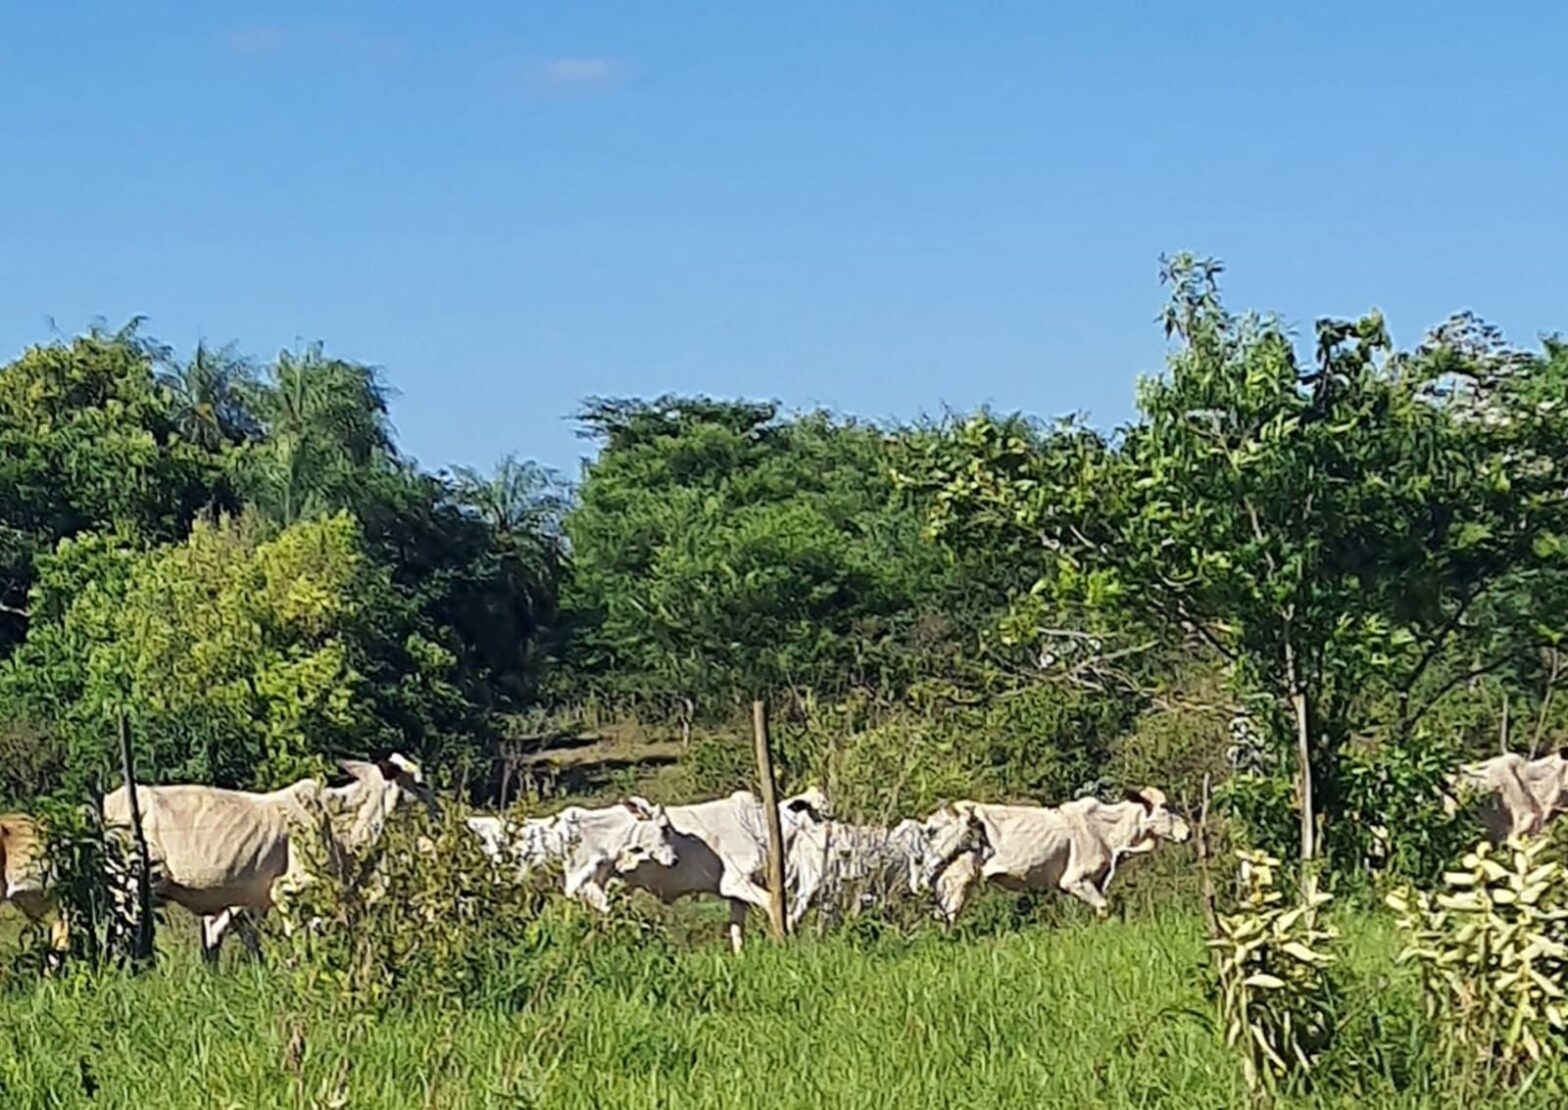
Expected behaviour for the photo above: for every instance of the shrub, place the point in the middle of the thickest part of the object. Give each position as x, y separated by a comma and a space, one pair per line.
1278, 1003
1492, 949
85, 874
423, 912
1392, 819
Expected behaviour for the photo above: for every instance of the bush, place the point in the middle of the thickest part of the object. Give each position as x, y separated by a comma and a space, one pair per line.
84, 873
1492, 949
1278, 1004
422, 913
1392, 819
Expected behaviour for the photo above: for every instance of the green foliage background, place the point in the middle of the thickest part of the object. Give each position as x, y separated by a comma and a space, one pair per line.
1363, 546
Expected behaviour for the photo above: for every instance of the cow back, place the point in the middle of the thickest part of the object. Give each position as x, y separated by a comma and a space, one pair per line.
217, 847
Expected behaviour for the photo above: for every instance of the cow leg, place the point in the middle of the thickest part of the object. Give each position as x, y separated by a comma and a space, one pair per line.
742, 894
954, 886
805, 890
213, 926
1083, 888
249, 925
59, 937
38, 908
592, 893
737, 928
587, 884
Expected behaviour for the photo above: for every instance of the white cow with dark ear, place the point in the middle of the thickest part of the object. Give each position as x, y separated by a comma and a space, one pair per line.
219, 852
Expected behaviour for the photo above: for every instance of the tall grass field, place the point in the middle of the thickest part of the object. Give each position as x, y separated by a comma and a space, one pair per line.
1079, 1014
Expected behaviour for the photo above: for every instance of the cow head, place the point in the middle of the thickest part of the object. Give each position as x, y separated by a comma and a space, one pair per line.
391, 781
1552, 771
649, 839
1158, 821
810, 804
950, 832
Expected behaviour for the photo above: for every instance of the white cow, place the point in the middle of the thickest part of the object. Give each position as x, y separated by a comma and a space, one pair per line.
1519, 796
218, 852
1074, 847
609, 841
529, 842
721, 848
830, 859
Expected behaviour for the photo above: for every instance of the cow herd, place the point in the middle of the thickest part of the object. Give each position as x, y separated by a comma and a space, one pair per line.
229, 856
720, 848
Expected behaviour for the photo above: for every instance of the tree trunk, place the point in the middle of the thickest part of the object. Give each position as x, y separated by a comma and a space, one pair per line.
1211, 917
1298, 702
1298, 705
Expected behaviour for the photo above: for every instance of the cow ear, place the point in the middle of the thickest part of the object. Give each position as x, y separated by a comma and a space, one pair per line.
1142, 799
642, 807
389, 770
806, 807
354, 768
1562, 753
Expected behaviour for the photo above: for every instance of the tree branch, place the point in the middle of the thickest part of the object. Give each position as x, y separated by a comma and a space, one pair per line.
1257, 533
1447, 629
1188, 621
1453, 683
1546, 700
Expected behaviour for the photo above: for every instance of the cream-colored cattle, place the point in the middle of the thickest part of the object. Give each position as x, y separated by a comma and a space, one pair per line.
1074, 848
610, 840
830, 861
216, 852
22, 869
721, 848
518, 846
1518, 796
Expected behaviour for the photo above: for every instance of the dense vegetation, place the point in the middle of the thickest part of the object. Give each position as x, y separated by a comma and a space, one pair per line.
1347, 560
1314, 579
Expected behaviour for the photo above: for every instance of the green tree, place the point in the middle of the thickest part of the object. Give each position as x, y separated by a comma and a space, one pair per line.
323, 426
211, 395
242, 657
1326, 528
88, 440
719, 550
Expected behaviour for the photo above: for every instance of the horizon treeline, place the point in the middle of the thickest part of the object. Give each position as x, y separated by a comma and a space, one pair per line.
1344, 560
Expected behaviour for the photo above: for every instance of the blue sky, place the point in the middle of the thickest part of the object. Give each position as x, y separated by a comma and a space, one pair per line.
886, 209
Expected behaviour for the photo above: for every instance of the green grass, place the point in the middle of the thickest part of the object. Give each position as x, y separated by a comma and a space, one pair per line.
1081, 1014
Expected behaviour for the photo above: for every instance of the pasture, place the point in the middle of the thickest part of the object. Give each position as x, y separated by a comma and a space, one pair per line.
1075, 1013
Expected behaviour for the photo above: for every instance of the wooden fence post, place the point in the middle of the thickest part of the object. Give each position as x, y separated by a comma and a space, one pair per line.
770, 807
141, 945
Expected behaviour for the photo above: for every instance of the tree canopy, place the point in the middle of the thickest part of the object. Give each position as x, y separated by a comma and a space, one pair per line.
1322, 572
1362, 531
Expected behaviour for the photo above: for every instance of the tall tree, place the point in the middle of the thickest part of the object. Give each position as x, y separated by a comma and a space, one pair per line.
1325, 527
719, 550
324, 424
212, 393
88, 440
